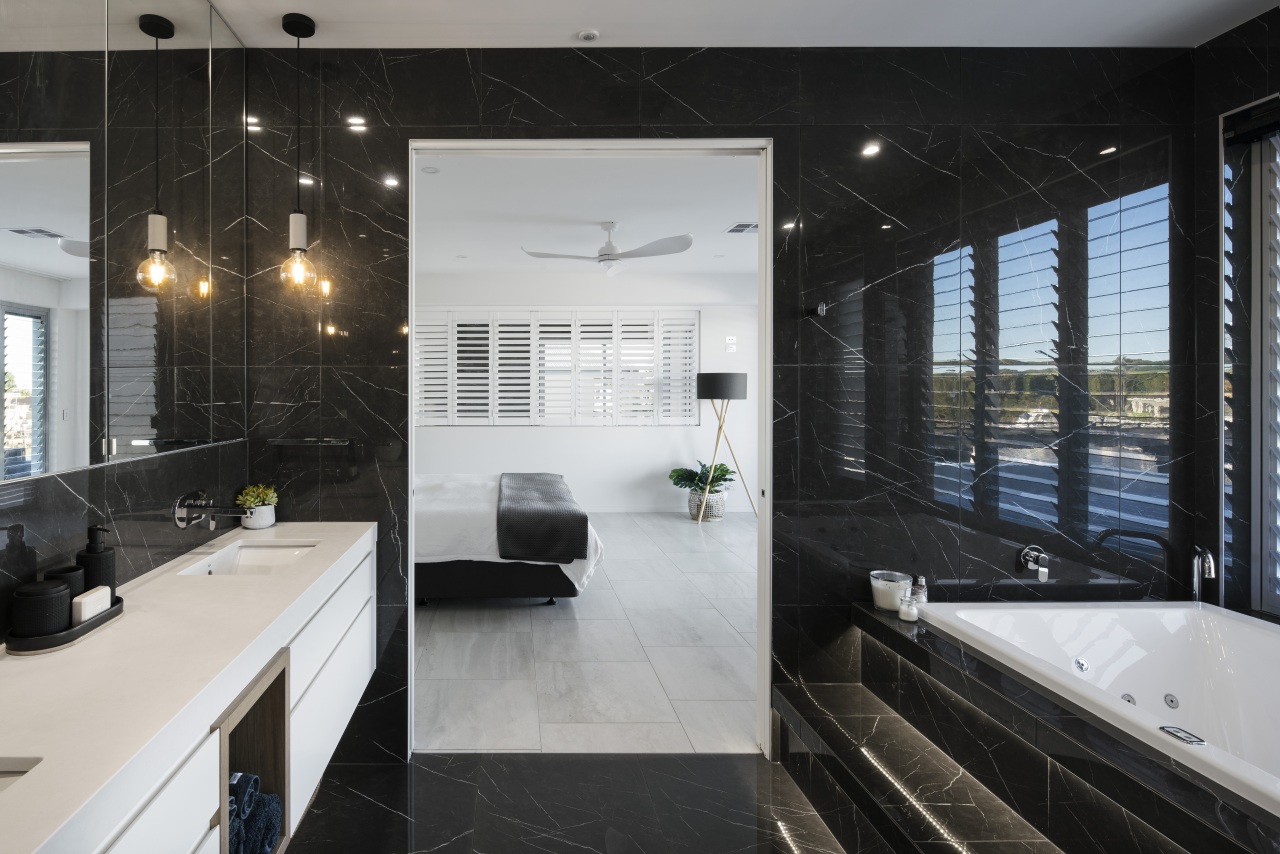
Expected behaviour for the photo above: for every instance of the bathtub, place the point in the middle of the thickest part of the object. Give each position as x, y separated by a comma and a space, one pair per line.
1198, 671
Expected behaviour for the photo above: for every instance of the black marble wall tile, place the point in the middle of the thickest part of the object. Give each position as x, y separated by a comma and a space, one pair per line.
429, 88
1080, 819
62, 90
1052, 86
720, 86
524, 87
130, 498
881, 85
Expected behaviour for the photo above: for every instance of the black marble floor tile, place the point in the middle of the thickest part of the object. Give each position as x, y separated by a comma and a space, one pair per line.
611, 804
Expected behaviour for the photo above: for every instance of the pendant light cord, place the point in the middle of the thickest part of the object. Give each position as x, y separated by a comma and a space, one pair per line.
297, 103
157, 124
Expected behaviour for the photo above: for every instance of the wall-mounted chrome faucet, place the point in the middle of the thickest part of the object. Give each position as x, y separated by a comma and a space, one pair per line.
195, 507
1203, 567
1034, 559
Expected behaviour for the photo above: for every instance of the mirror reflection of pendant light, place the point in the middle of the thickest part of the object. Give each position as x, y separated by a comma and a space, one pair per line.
297, 271
156, 271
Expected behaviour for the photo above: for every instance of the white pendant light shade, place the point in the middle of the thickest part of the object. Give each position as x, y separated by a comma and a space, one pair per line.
297, 270
156, 272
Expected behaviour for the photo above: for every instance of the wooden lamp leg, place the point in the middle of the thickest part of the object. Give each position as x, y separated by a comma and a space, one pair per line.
742, 477
702, 508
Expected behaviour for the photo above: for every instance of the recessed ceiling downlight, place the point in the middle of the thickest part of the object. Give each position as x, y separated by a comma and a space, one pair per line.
871, 149
430, 170
589, 35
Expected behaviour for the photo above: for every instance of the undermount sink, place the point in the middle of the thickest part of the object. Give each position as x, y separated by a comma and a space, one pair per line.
13, 768
250, 558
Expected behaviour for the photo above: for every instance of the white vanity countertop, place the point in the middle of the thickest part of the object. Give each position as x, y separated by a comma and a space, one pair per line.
113, 715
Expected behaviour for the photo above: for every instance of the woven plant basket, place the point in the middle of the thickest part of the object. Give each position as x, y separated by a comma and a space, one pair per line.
715, 506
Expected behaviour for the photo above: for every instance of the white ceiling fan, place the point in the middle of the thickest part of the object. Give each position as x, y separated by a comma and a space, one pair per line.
611, 259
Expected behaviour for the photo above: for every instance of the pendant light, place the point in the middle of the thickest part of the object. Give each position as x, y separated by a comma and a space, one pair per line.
297, 270
156, 271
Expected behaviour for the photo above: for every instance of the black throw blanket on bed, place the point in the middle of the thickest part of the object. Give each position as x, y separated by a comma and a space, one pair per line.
539, 521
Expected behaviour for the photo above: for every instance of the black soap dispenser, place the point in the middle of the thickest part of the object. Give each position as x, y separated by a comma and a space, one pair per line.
99, 562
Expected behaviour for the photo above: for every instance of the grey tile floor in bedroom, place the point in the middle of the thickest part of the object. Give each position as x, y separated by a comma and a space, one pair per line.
655, 656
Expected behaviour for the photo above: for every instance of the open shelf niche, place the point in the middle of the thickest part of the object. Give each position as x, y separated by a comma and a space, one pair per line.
254, 736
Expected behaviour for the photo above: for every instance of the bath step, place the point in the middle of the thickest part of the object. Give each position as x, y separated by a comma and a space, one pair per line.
917, 797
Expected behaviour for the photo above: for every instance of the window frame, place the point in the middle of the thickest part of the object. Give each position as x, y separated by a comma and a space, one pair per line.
1264, 203
45, 317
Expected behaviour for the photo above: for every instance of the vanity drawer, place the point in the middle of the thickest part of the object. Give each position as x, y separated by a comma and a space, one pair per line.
177, 818
312, 645
209, 845
321, 716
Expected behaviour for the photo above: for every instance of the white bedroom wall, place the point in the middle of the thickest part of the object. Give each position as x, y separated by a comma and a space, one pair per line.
609, 469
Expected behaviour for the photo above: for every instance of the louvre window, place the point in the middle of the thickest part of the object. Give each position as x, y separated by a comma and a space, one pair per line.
562, 367
24, 353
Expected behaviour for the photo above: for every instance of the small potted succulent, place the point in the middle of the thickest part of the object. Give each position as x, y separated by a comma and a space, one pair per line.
720, 479
260, 500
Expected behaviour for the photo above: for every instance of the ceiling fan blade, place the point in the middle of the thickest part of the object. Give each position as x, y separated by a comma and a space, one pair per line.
558, 255
663, 246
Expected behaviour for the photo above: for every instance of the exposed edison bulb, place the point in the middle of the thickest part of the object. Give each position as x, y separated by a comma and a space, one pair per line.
404, 329
297, 270
155, 271
330, 328
203, 288
326, 287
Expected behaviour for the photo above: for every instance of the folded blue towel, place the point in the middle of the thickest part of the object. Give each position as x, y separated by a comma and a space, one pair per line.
262, 827
235, 834
244, 789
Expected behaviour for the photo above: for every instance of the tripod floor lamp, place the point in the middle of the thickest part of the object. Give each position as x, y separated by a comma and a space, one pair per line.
720, 389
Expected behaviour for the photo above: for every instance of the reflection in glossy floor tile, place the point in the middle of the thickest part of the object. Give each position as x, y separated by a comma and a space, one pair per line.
591, 604
486, 615
615, 738
476, 714
510, 804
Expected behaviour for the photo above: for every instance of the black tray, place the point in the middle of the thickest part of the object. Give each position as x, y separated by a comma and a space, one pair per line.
52, 643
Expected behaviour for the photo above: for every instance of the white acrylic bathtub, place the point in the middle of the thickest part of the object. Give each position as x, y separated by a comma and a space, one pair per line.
1222, 668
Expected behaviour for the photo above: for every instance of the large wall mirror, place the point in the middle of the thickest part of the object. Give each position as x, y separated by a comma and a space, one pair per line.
105, 121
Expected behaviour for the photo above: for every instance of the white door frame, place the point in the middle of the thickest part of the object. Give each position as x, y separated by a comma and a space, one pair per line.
764, 384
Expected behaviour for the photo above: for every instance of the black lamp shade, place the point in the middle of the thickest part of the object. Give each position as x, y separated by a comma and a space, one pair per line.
722, 386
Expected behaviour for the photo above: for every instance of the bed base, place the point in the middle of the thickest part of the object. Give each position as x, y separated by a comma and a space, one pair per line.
478, 579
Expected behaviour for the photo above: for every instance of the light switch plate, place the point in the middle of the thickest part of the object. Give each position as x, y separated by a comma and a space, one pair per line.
731, 339
731, 348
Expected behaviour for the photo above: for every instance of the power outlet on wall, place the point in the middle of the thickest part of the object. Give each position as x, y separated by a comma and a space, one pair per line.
731, 343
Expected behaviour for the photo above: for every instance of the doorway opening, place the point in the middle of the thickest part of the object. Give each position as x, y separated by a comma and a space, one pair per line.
588, 317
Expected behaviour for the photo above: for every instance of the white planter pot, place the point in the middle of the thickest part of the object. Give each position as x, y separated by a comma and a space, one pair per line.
715, 506
259, 518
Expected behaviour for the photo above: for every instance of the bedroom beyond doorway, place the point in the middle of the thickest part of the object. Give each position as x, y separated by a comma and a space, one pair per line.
588, 318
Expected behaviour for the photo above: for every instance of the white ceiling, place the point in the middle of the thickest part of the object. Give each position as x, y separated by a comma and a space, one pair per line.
742, 23
487, 207
76, 25
48, 191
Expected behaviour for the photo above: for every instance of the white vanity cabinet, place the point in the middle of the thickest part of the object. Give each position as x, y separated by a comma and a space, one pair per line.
331, 661
308, 636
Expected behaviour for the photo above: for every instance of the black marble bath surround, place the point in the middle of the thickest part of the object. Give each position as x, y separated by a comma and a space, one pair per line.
1084, 783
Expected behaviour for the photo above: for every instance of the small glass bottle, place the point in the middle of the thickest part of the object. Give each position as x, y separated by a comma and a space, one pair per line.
920, 591
907, 611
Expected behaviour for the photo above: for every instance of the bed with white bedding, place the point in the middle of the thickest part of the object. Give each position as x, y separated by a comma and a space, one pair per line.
456, 551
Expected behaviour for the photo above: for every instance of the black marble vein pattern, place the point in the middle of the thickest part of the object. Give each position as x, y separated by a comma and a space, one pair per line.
1001, 238
611, 804
131, 498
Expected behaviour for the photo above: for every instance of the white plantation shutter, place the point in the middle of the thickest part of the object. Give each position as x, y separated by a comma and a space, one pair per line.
678, 366
636, 391
561, 367
555, 358
513, 390
24, 356
596, 346
432, 377
473, 369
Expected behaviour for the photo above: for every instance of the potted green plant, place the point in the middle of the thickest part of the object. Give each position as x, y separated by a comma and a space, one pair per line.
720, 478
260, 500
